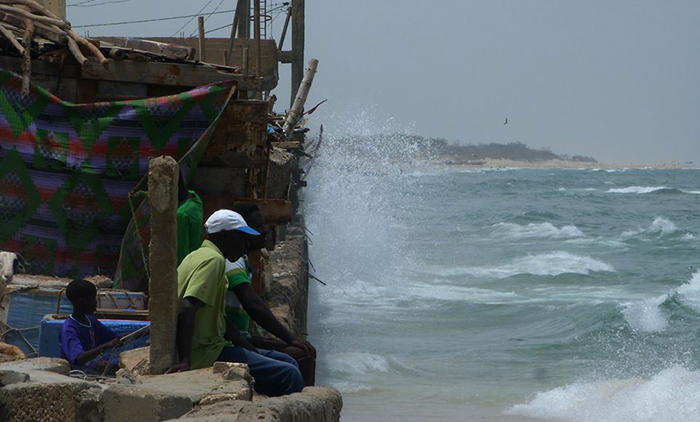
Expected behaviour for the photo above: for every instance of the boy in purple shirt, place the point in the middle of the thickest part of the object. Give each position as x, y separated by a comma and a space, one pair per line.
83, 337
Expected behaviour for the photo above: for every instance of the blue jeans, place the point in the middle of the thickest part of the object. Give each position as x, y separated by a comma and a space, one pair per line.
275, 373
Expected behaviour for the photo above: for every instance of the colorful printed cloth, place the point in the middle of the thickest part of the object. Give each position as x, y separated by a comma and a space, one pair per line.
67, 171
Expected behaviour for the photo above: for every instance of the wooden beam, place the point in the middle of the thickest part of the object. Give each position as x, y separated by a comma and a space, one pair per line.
39, 29
298, 19
171, 51
284, 28
285, 56
186, 75
297, 111
258, 48
39, 67
202, 40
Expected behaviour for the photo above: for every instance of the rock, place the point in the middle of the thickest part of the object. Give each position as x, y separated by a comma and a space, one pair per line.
221, 367
136, 360
234, 374
9, 352
12, 377
124, 375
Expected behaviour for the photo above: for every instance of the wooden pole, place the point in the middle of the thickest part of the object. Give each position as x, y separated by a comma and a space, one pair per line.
258, 48
27, 56
298, 19
244, 21
234, 28
162, 258
297, 110
284, 28
245, 60
202, 43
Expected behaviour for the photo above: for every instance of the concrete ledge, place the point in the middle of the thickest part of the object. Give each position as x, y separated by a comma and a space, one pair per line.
314, 404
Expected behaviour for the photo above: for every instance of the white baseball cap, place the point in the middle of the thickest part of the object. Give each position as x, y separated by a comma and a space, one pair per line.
225, 220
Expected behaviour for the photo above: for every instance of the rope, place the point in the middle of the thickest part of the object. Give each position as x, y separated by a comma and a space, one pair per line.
8, 329
208, 16
188, 22
148, 20
138, 232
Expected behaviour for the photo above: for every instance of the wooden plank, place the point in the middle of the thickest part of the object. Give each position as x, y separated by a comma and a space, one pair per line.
185, 75
171, 51
274, 211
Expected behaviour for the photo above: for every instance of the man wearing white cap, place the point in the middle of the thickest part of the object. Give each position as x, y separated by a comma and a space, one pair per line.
203, 334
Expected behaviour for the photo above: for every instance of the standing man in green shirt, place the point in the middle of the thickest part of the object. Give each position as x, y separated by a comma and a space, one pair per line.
190, 217
203, 334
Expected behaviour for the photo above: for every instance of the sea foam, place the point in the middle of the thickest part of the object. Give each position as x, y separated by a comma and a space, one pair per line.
637, 189
536, 230
672, 395
646, 315
549, 264
689, 293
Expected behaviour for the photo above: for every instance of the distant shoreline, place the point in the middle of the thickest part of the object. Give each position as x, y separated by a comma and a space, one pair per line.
563, 164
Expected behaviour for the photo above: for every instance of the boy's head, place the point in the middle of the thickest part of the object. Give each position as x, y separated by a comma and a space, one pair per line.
252, 215
83, 295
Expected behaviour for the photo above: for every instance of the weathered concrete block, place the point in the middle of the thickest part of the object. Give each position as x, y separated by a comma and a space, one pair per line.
130, 404
314, 404
46, 402
88, 407
58, 366
12, 377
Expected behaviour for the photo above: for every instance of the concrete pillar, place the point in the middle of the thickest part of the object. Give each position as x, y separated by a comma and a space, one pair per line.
162, 302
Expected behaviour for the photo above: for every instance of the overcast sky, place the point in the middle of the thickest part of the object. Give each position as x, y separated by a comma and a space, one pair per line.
616, 79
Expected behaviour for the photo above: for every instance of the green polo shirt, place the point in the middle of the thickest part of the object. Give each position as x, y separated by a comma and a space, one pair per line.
190, 219
201, 275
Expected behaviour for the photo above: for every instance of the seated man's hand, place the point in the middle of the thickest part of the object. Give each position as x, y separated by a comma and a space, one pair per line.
304, 345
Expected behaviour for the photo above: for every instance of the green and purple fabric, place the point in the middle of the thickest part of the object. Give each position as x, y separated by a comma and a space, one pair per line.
69, 173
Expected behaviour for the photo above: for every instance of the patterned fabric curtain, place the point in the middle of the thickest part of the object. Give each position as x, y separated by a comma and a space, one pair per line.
69, 173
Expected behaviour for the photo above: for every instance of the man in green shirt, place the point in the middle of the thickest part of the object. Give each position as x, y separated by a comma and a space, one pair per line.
203, 334
242, 303
190, 217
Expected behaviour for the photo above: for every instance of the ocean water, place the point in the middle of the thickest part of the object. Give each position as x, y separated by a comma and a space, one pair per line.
505, 295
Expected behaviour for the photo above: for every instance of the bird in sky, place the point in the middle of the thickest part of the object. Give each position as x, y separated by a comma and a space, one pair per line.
506, 122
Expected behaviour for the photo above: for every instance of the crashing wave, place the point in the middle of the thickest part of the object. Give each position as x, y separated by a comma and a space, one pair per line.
549, 264
660, 226
672, 395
